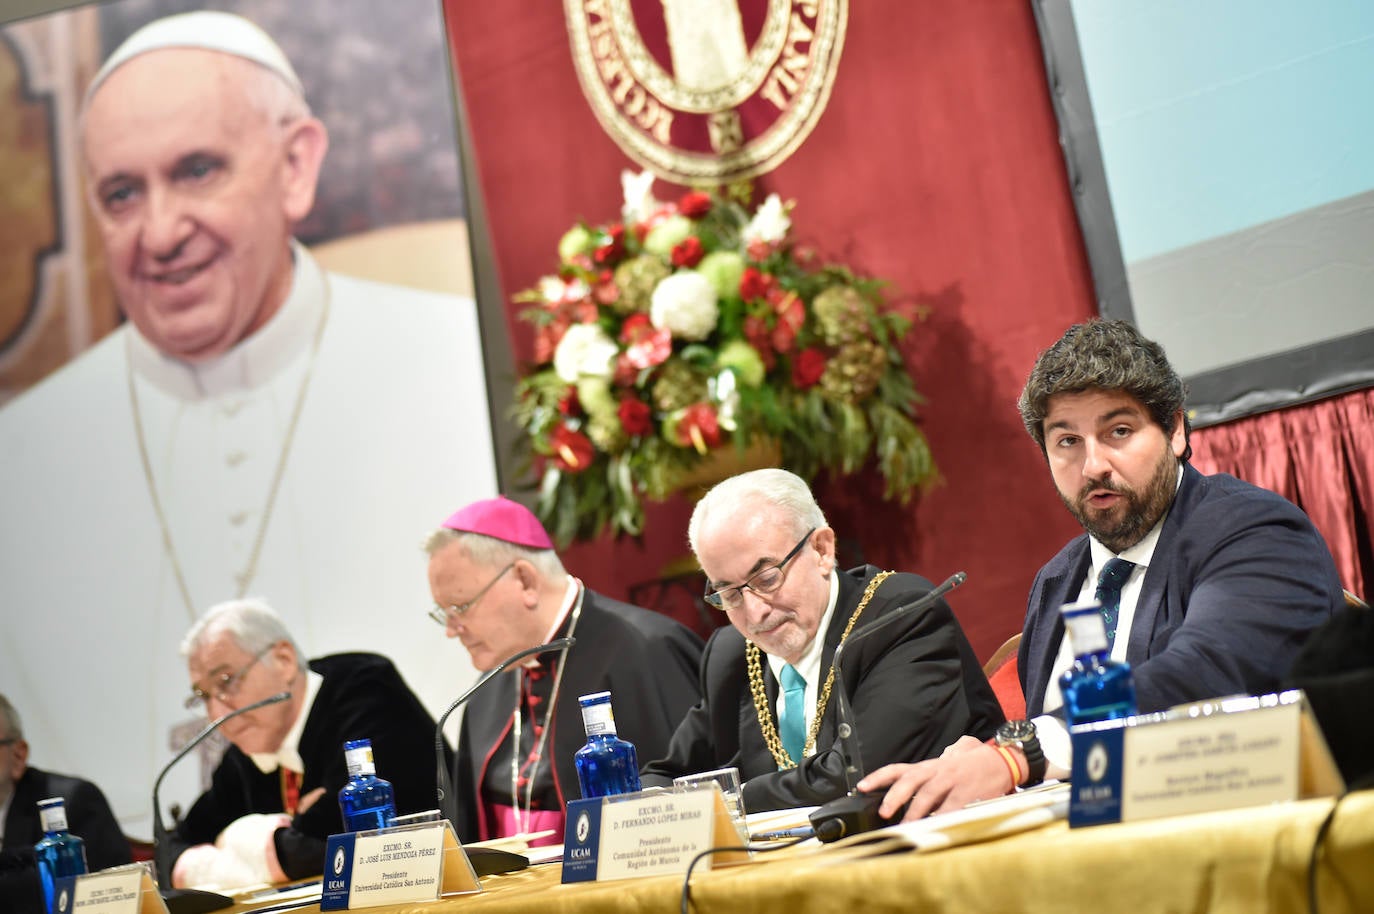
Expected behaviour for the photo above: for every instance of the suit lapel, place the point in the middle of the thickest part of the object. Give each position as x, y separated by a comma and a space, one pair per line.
1059, 589
1150, 605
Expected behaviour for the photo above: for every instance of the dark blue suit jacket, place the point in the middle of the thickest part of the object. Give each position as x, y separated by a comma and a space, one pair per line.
1237, 581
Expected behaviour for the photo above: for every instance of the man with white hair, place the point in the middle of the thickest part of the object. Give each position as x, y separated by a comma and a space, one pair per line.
766, 703
500, 588
273, 800
251, 400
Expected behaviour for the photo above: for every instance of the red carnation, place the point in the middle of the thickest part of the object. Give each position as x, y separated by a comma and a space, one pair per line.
758, 249
605, 291
688, 252
635, 416
757, 334
569, 404
572, 450
646, 345
791, 316
611, 245
754, 284
807, 368
694, 204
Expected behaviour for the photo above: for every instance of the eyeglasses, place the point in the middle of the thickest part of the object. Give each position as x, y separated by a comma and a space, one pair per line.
225, 687
9, 741
764, 581
442, 614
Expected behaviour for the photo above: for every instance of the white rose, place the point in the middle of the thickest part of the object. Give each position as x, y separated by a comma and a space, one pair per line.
684, 304
770, 224
553, 289
640, 203
723, 391
585, 351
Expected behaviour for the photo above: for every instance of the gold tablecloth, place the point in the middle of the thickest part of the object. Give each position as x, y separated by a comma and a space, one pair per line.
1242, 861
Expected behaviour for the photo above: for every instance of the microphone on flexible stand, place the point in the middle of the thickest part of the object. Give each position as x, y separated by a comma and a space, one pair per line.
486, 861
191, 901
858, 812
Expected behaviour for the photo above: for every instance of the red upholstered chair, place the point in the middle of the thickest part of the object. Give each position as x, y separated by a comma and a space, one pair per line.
1006, 683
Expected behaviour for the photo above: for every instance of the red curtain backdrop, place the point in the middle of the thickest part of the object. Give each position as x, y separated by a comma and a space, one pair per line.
937, 166
1321, 458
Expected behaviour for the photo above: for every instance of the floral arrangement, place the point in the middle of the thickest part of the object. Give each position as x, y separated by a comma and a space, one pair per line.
694, 326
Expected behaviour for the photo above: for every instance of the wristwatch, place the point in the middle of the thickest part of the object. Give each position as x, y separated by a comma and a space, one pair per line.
1021, 734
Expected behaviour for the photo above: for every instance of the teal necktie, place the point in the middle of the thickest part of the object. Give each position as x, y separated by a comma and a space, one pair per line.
1109, 585
792, 722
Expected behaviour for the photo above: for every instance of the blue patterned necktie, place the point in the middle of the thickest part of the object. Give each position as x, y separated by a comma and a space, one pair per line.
792, 721
1109, 584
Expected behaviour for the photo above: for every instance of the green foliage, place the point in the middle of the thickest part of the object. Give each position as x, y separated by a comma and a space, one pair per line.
643, 450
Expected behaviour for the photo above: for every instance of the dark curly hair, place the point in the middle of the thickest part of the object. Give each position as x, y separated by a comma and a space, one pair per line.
1104, 355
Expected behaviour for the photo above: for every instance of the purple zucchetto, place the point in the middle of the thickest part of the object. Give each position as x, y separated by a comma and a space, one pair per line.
502, 519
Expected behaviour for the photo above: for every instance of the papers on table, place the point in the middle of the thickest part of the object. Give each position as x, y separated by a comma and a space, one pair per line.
985, 820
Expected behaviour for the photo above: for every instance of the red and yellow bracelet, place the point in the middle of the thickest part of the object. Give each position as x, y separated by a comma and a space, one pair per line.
1018, 775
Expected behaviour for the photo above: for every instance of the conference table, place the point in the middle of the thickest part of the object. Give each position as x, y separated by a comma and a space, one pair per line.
1243, 861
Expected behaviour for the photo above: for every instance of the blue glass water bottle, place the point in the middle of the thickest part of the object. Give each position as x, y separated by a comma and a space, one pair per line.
60, 853
1096, 687
607, 765
366, 801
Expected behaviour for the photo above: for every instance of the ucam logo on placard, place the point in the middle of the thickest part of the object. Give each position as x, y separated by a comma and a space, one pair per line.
707, 91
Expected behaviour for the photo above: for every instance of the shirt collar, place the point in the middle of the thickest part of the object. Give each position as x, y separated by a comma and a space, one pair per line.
289, 754
810, 663
250, 362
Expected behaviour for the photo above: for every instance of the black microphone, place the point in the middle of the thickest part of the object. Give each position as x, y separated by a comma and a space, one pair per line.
448, 801
161, 850
855, 812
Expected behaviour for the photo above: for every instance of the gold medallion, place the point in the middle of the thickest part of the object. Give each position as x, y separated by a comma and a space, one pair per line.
707, 92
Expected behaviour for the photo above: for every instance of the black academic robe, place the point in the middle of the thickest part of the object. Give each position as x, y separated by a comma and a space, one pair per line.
88, 817
362, 697
648, 663
915, 687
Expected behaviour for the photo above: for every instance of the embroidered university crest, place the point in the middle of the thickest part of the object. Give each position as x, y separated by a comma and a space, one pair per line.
707, 91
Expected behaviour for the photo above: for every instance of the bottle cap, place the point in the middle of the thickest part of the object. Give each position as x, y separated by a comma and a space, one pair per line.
52, 814
1087, 631
594, 698
358, 757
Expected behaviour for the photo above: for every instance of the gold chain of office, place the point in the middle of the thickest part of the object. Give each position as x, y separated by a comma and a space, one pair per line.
756, 688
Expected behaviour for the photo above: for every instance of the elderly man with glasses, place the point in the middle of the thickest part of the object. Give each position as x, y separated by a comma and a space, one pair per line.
22, 786
766, 702
272, 800
500, 588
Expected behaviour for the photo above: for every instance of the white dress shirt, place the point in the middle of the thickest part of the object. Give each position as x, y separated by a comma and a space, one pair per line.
810, 663
1053, 731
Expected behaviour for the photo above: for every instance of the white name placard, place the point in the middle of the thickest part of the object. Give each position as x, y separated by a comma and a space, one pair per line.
1213, 755
650, 833
394, 866
119, 890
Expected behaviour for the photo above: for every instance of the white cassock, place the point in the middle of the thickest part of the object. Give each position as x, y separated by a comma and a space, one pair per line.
393, 435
